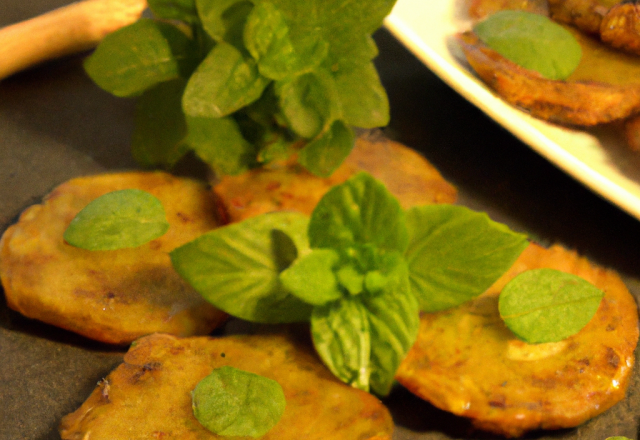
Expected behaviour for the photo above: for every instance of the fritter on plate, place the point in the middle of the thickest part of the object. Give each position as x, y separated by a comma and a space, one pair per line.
616, 22
149, 395
605, 87
479, 9
466, 361
285, 185
111, 296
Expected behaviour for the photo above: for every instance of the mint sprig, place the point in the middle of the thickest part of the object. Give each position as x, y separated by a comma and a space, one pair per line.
267, 77
353, 272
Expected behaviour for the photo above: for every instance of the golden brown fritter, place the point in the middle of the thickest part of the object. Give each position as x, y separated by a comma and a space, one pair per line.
467, 362
149, 395
596, 93
288, 186
620, 28
586, 15
111, 296
479, 9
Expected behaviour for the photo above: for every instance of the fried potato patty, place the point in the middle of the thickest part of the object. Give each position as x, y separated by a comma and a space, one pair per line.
149, 395
479, 9
111, 296
584, 99
466, 361
288, 186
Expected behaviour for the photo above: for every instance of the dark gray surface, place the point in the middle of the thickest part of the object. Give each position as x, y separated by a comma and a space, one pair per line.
54, 125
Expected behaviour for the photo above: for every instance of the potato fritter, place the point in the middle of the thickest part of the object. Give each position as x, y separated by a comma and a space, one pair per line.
149, 395
620, 28
288, 186
111, 296
586, 15
584, 99
468, 362
479, 9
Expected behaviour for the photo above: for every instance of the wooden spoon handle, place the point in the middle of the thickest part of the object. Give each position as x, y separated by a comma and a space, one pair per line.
70, 29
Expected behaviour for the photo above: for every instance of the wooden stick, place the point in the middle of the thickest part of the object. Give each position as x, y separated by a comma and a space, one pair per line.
64, 31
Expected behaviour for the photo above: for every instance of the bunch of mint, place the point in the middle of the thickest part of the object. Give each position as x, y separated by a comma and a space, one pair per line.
243, 82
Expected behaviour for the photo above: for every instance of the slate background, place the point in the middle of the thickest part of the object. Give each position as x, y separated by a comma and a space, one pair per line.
55, 125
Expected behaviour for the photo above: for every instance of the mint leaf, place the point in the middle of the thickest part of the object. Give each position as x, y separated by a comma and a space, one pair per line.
121, 219
455, 254
547, 305
220, 144
362, 97
341, 336
308, 102
139, 56
394, 321
362, 339
323, 155
233, 402
266, 36
237, 267
224, 20
532, 41
222, 84
160, 125
311, 277
181, 10
358, 211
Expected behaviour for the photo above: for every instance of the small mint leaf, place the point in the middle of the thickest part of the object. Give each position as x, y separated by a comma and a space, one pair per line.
340, 332
547, 305
120, 219
311, 277
234, 402
357, 212
362, 97
532, 41
220, 144
323, 155
160, 126
308, 102
223, 83
267, 38
139, 56
181, 10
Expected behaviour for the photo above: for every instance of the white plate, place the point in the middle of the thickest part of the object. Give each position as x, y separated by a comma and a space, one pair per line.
597, 158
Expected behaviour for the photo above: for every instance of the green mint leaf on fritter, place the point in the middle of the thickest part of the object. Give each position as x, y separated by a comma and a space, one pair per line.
546, 305
359, 211
139, 56
455, 254
532, 41
234, 402
160, 127
237, 267
120, 219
